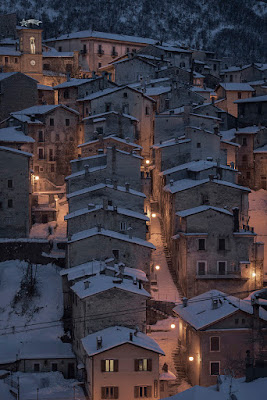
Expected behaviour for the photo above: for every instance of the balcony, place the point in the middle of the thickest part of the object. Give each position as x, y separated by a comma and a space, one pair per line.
114, 54
229, 274
100, 52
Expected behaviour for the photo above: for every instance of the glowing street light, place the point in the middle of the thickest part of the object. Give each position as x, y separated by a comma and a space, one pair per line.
157, 267
173, 326
253, 274
153, 215
191, 358
147, 162
36, 178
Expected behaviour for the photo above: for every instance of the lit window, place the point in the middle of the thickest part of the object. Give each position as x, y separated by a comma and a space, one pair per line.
109, 365
143, 364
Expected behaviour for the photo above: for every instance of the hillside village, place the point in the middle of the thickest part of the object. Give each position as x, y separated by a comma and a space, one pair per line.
133, 209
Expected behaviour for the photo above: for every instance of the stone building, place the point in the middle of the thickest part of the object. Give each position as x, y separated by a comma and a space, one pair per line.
73, 89
45, 94
125, 100
121, 363
109, 123
134, 68
239, 74
15, 197
227, 121
101, 144
55, 131
252, 111
216, 330
228, 93
98, 49
209, 249
17, 92
175, 56
251, 162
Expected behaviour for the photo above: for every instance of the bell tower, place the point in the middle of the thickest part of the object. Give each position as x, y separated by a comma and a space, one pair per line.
30, 46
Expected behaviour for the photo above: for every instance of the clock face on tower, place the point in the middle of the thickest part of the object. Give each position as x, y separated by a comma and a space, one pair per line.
32, 62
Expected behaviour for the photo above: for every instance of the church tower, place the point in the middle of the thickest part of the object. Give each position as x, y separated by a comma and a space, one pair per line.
30, 46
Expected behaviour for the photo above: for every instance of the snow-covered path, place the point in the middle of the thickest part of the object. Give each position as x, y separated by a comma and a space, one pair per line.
167, 290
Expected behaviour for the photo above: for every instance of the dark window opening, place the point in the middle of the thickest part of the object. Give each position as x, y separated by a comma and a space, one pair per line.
221, 244
51, 122
201, 244
67, 122
10, 183
214, 368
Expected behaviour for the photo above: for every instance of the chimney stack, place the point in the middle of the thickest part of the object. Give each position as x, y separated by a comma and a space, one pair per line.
98, 227
86, 168
86, 284
171, 182
127, 186
90, 206
131, 336
185, 301
99, 342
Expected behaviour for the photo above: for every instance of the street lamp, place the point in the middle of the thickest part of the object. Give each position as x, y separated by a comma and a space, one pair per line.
253, 274
153, 215
147, 162
191, 358
36, 177
173, 326
157, 267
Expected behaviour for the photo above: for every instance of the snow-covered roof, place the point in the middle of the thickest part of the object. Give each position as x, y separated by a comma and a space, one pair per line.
167, 376
5, 75
101, 283
102, 186
200, 313
262, 149
108, 91
44, 87
249, 129
108, 113
103, 35
252, 100
119, 210
229, 134
15, 151
112, 234
116, 336
240, 87
41, 110
11, 134
200, 209
90, 170
9, 51
171, 142
172, 112
195, 166
184, 184
235, 69
173, 49
72, 82
198, 393
58, 53
230, 143
116, 139
158, 90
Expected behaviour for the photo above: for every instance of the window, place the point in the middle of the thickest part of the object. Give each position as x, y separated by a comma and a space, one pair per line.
201, 244
239, 95
116, 254
6, 60
142, 391
51, 155
52, 168
221, 244
36, 367
248, 175
99, 65
125, 109
123, 226
66, 94
46, 67
147, 110
214, 343
215, 368
221, 267
109, 365
41, 153
40, 136
125, 95
114, 53
109, 392
243, 321
107, 107
244, 158
143, 364
67, 121
201, 267
84, 48
198, 145
167, 103
1, 205
231, 78
32, 45
128, 50
236, 321
54, 367
51, 122
69, 68
60, 49
16, 60
214, 67
99, 130
244, 141
10, 183
10, 203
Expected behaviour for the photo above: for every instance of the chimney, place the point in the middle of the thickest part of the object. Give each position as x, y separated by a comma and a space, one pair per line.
98, 227
99, 342
115, 209
130, 230
32, 118
213, 100
86, 284
171, 182
216, 130
115, 184
93, 75
185, 301
211, 177
131, 336
100, 151
165, 367
136, 331
236, 218
215, 303
127, 139
127, 186
86, 168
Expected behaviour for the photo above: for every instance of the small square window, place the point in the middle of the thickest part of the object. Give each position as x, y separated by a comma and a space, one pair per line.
10, 203
67, 122
10, 183
201, 244
51, 122
125, 95
221, 244
54, 367
198, 145
36, 367
116, 254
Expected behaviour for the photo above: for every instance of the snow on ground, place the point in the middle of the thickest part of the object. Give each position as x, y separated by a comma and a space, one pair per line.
167, 290
25, 321
258, 218
59, 227
51, 385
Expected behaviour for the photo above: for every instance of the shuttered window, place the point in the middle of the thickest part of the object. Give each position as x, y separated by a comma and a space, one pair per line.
142, 392
109, 365
143, 364
109, 392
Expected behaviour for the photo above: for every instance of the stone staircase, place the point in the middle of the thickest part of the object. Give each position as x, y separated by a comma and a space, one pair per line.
179, 366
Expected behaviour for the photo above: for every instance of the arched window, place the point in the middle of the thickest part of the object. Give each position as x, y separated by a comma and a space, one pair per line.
32, 45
